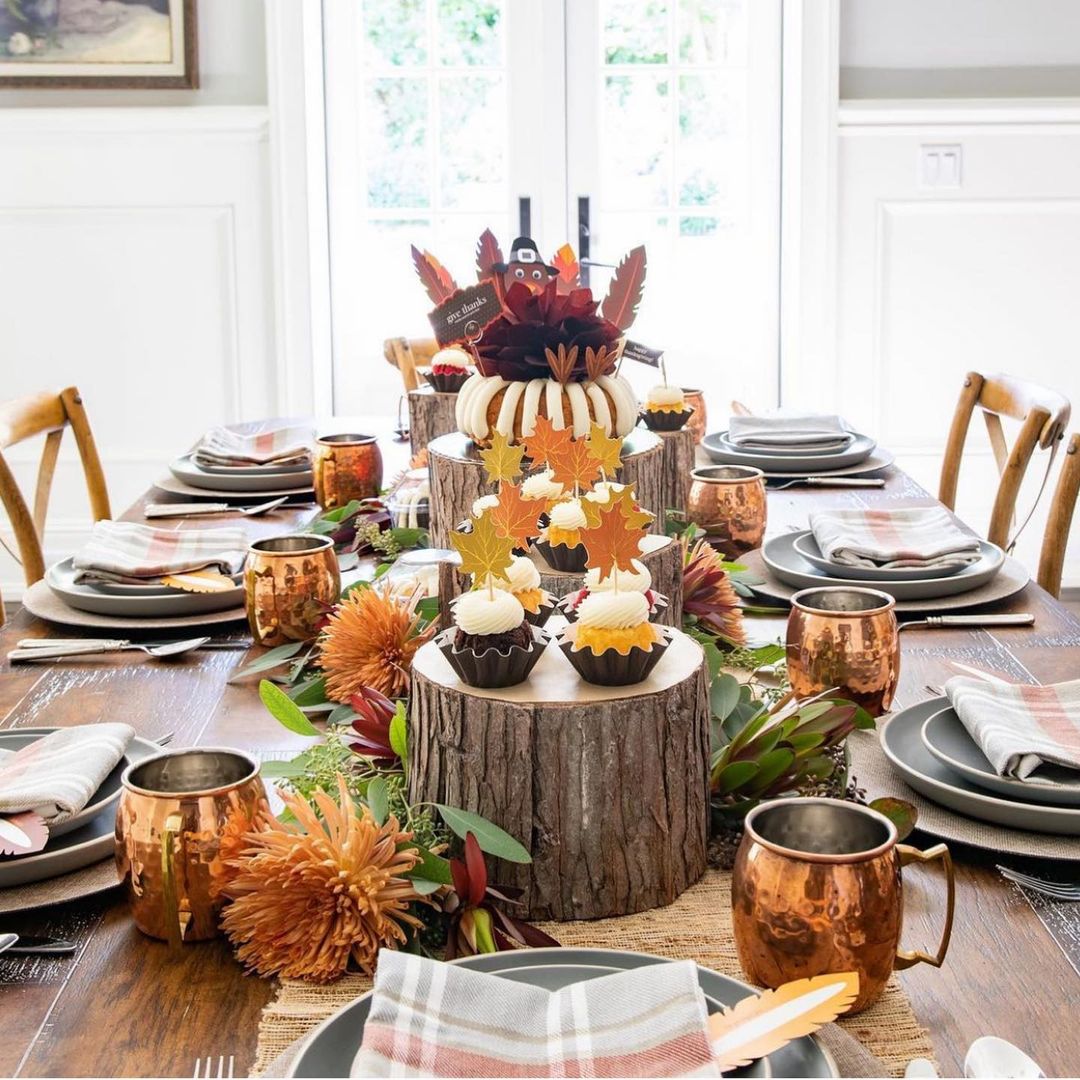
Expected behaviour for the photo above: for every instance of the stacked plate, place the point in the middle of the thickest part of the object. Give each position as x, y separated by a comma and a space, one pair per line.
236, 481
857, 456
932, 750
82, 840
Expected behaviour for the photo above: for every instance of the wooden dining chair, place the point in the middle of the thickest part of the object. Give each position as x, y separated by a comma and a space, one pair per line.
45, 414
1043, 415
406, 354
1059, 520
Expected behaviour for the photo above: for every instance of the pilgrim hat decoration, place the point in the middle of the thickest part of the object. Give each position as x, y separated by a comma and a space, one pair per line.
525, 266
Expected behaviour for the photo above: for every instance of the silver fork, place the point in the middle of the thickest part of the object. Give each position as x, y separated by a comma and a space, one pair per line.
829, 482
49, 651
1055, 889
224, 1067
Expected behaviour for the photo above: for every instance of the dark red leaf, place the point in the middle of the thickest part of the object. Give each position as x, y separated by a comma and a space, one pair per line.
474, 860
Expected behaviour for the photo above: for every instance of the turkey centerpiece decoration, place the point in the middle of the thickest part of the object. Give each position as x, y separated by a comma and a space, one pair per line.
544, 347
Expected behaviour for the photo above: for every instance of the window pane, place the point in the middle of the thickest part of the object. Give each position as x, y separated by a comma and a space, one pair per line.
712, 32
635, 31
395, 143
394, 33
472, 164
470, 31
636, 158
700, 158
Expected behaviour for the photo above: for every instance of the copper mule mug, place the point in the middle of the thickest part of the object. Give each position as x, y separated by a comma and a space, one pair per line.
728, 502
698, 423
844, 639
181, 816
287, 582
817, 890
346, 467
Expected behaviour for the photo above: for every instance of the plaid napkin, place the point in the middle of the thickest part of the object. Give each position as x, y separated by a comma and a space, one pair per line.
278, 446
912, 536
1021, 728
125, 551
56, 776
428, 1018
809, 432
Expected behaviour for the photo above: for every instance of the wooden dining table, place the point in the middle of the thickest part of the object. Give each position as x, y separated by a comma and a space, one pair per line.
127, 1005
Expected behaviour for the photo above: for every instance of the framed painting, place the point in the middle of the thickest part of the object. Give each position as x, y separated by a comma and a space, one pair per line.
144, 44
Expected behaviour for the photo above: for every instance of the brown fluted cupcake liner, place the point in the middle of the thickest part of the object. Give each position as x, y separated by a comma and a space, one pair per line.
666, 421
570, 560
492, 669
443, 383
612, 668
539, 618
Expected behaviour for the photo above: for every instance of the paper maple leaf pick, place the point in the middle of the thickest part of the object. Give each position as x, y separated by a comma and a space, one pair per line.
514, 517
575, 466
546, 441
22, 834
759, 1025
483, 551
636, 518
606, 450
501, 460
613, 544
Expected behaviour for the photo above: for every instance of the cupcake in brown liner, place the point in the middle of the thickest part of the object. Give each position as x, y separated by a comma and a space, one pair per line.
636, 580
450, 368
491, 644
560, 541
665, 408
523, 581
612, 643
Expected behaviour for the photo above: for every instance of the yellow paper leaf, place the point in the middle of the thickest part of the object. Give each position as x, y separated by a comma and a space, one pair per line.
483, 551
636, 518
501, 460
606, 450
199, 581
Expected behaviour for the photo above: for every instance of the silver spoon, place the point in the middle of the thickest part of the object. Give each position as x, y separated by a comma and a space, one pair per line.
92, 648
163, 510
7, 940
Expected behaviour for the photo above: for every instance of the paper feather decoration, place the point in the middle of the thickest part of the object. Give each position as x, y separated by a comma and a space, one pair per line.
565, 261
624, 294
433, 276
22, 834
199, 581
562, 362
488, 253
760, 1025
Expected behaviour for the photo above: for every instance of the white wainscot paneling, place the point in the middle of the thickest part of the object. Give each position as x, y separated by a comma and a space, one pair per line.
932, 283
135, 264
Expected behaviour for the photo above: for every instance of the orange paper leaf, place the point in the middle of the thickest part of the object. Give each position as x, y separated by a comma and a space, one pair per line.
483, 551
501, 460
575, 465
613, 544
624, 293
606, 450
565, 261
562, 363
546, 441
514, 517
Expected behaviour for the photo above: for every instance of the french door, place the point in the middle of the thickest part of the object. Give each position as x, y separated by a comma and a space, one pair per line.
605, 123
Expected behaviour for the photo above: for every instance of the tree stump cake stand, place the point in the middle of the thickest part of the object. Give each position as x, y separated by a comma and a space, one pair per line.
662, 555
458, 479
678, 463
607, 787
431, 414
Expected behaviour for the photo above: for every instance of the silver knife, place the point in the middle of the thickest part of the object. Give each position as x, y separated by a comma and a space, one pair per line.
941, 622
40, 946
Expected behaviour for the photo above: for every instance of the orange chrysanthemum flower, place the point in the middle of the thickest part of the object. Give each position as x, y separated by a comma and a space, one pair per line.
370, 640
709, 594
308, 897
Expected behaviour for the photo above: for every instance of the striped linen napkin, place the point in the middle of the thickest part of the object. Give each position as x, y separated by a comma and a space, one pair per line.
429, 1018
277, 446
125, 551
56, 776
809, 432
920, 536
1021, 729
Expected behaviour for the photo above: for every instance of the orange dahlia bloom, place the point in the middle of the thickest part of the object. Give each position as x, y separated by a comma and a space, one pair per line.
370, 640
308, 897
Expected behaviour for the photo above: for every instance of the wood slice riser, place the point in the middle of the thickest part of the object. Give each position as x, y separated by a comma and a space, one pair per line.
678, 463
611, 798
431, 414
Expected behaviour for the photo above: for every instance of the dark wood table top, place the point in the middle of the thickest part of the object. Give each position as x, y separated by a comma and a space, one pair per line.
127, 1006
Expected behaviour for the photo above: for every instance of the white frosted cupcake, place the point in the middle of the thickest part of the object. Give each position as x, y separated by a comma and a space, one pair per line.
542, 487
491, 644
483, 504
613, 643
665, 408
561, 542
604, 491
637, 580
523, 581
449, 370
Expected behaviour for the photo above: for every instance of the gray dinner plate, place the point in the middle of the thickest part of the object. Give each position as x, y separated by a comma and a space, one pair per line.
902, 744
945, 736
782, 558
329, 1050
245, 483
855, 453
806, 546
107, 795
60, 578
91, 842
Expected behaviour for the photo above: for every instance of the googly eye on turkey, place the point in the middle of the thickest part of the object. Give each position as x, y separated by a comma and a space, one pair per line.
537, 275
519, 272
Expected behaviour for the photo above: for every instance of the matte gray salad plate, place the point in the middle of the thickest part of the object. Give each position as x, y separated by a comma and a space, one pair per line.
243, 482
270, 468
91, 842
901, 742
60, 577
945, 736
855, 453
806, 546
329, 1050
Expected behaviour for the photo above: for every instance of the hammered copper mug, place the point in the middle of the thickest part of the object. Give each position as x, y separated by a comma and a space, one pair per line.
817, 890
181, 816
844, 639
728, 502
346, 467
288, 583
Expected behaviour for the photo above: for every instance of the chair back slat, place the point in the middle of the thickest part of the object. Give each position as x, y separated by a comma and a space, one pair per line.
1059, 520
406, 354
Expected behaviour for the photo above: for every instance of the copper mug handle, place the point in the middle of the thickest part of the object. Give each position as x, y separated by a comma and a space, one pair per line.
906, 958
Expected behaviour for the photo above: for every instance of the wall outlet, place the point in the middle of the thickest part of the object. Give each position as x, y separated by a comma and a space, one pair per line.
940, 165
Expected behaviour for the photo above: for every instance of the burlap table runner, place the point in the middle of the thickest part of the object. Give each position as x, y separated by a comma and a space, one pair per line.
696, 926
